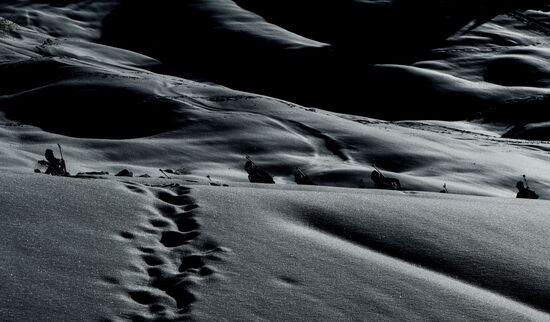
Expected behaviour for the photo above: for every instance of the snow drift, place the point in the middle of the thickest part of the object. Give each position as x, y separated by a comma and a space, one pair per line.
194, 87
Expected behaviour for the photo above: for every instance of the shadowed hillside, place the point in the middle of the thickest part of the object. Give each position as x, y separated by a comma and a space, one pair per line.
326, 57
147, 176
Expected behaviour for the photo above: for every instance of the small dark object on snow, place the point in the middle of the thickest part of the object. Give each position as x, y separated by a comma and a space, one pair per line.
524, 191
444, 189
381, 182
55, 166
257, 174
212, 183
164, 173
37, 171
124, 173
144, 176
303, 179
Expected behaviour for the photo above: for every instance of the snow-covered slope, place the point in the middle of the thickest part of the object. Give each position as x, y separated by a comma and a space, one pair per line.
148, 249
66, 247
132, 85
342, 254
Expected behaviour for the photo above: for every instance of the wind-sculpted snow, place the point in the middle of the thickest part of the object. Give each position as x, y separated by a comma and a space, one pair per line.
350, 75
431, 93
50, 102
59, 18
89, 91
335, 58
150, 249
387, 256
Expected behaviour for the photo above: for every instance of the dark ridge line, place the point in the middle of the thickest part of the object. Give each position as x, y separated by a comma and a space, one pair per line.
538, 299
